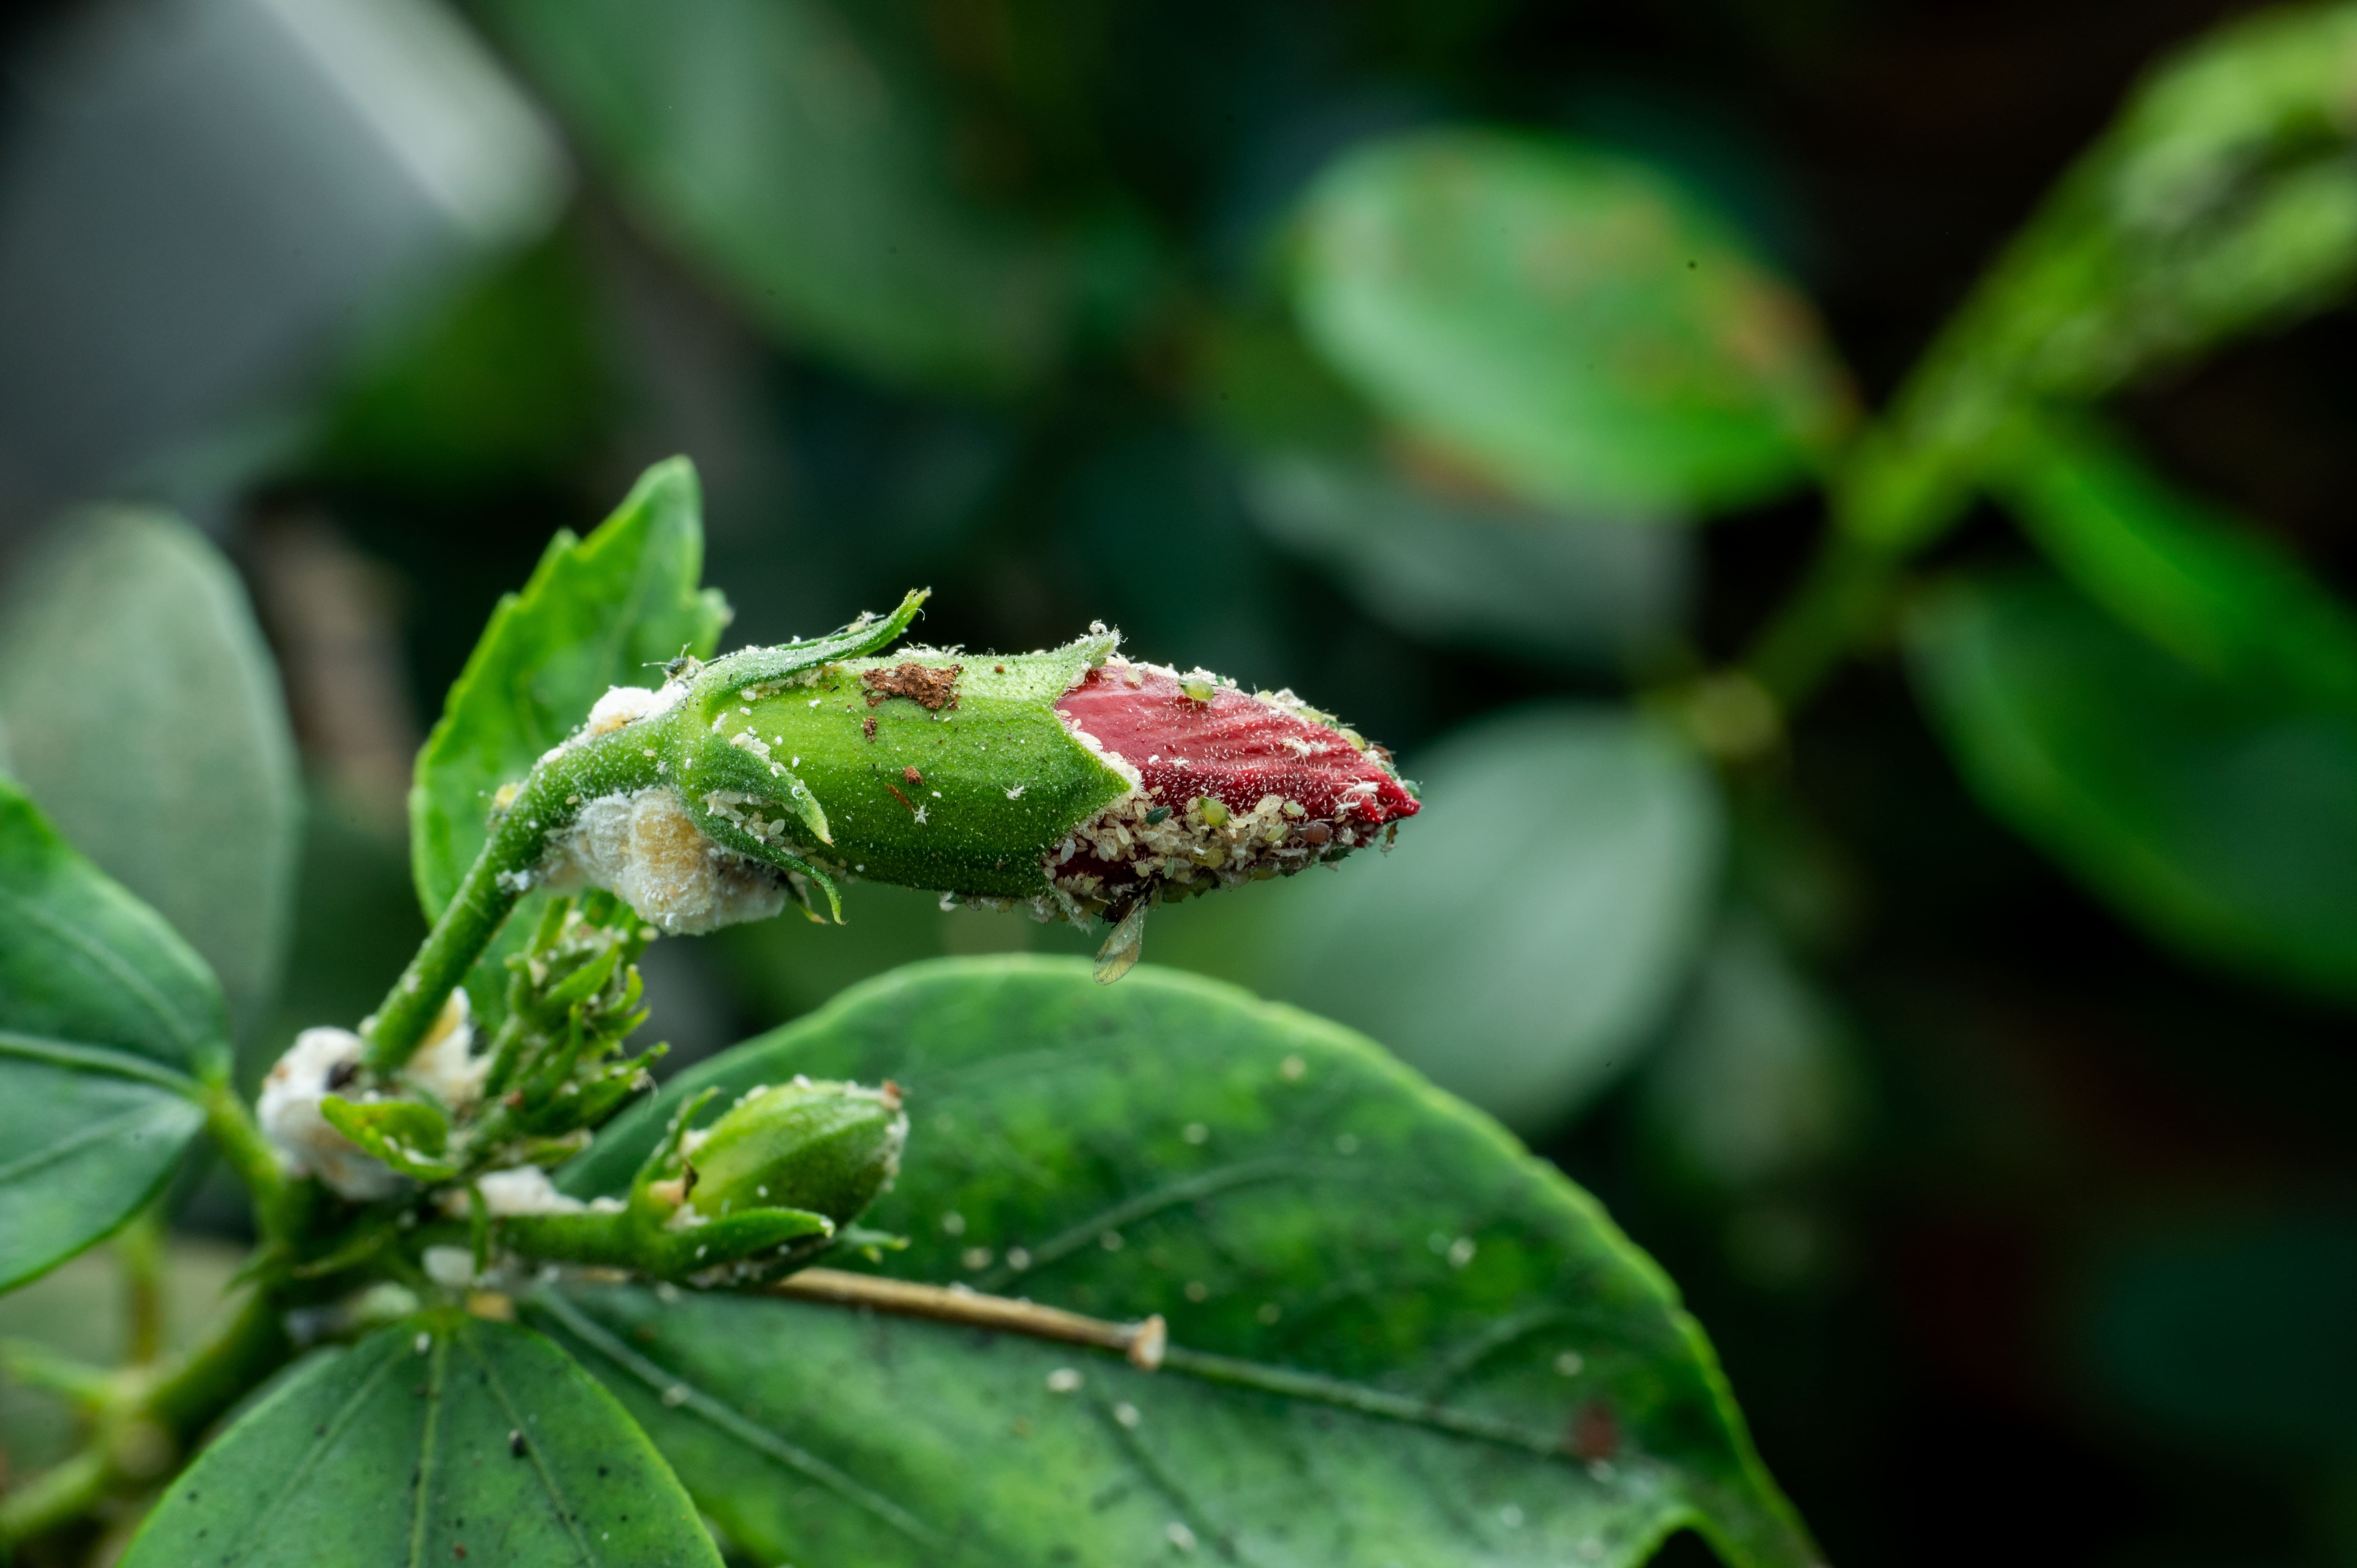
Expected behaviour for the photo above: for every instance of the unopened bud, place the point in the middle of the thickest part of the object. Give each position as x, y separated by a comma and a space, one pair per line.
825, 1148
1072, 783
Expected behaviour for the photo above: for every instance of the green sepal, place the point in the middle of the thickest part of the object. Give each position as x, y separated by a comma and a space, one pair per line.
407, 1134
1000, 778
724, 678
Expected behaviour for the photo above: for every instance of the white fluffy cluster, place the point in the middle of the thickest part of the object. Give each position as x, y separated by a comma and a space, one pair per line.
319, 1063
326, 1061
648, 852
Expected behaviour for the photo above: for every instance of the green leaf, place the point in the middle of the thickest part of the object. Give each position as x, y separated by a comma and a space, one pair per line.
1522, 940
84, 960
2221, 201
81, 1150
1568, 322
2210, 589
442, 1440
2220, 814
106, 1017
606, 611
145, 714
1396, 1337
786, 146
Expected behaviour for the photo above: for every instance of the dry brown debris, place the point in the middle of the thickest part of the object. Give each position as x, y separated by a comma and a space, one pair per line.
928, 686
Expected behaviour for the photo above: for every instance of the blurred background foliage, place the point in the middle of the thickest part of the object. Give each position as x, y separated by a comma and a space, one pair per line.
1951, 991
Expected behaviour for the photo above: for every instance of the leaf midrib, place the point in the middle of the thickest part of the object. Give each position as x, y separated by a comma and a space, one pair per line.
752, 1434
155, 1110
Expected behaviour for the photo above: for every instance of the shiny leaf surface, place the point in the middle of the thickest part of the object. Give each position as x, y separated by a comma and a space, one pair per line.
1396, 1337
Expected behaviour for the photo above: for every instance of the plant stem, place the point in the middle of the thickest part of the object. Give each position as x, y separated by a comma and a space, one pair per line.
466, 928
248, 1347
54, 1496
551, 798
1839, 601
139, 1250
276, 1200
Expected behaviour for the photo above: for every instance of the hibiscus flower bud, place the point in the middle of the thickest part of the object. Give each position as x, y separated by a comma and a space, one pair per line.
823, 1148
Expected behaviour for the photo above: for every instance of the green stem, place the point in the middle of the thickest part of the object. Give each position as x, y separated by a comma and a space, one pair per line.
250, 1346
139, 1251
54, 1496
276, 1200
247, 1347
1839, 603
549, 800
466, 926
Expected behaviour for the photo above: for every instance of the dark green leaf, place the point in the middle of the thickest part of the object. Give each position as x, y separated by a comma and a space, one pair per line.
145, 717
1396, 1337
2223, 200
2220, 814
1566, 321
2209, 589
442, 1440
105, 1014
81, 1152
1524, 939
81, 960
784, 146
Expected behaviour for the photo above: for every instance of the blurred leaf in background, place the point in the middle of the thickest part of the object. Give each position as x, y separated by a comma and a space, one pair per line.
2217, 812
798, 158
2221, 201
2205, 586
1566, 321
144, 713
508, 382
1479, 571
1751, 1103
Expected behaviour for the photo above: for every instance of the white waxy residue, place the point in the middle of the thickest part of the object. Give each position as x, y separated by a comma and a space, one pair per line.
319, 1063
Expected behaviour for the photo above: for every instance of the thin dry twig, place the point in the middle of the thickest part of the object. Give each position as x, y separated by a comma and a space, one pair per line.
1143, 1343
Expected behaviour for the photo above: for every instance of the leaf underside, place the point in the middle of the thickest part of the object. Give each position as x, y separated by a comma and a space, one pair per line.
446, 1439
1395, 1335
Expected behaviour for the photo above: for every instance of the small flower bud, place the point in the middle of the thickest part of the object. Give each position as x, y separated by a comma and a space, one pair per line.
826, 1148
